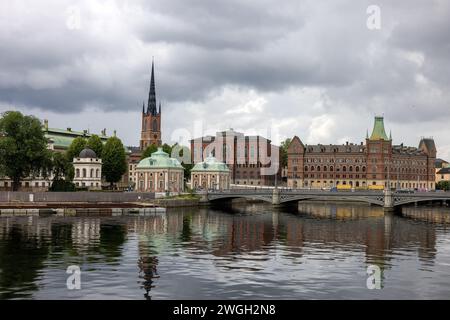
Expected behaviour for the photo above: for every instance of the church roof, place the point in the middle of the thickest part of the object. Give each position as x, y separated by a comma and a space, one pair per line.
378, 132
159, 160
210, 164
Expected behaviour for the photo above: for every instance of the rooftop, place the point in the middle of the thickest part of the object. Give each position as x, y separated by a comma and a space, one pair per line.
210, 164
159, 160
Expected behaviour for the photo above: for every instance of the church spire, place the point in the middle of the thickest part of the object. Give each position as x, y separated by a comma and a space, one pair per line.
159, 107
143, 106
151, 107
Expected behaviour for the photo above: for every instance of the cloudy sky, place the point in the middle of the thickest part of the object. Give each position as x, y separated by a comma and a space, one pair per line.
277, 68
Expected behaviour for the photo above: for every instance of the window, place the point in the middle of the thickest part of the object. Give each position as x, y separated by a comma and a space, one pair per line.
84, 173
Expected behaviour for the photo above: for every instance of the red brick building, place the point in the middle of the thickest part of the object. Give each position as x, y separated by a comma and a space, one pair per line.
253, 160
376, 163
151, 118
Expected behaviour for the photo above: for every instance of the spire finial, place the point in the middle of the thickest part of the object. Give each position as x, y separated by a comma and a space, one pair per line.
151, 107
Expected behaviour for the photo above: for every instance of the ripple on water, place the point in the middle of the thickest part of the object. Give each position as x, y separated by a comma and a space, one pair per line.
322, 253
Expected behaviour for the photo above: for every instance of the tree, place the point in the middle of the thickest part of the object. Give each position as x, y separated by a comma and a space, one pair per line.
443, 185
184, 153
149, 150
63, 173
23, 147
61, 167
114, 160
167, 149
95, 143
77, 145
284, 152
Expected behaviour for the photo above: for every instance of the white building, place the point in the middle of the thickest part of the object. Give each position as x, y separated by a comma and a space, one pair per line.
88, 170
210, 174
159, 173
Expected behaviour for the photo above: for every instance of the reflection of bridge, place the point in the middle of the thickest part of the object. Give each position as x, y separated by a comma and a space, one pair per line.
386, 199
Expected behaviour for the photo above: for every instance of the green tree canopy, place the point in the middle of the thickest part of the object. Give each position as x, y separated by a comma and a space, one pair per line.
95, 143
443, 185
183, 152
284, 152
61, 167
148, 151
114, 160
23, 147
77, 145
167, 149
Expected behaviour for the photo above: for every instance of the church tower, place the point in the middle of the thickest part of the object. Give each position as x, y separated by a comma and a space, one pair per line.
151, 118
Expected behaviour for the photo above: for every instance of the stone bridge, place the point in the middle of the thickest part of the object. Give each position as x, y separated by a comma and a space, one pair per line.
386, 199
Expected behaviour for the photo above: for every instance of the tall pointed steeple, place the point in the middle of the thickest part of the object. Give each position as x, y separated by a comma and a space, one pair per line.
151, 107
143, 107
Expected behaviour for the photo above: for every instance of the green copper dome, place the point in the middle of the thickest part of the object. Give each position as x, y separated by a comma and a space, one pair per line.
210, 164
159, 160
378, 132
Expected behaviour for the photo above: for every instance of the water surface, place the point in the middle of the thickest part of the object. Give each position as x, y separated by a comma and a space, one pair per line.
320, 251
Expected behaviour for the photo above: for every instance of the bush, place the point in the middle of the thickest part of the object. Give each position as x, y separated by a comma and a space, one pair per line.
443, 185
62, 186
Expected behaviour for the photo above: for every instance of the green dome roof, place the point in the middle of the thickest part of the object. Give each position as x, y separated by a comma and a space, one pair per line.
159, 160
210, 164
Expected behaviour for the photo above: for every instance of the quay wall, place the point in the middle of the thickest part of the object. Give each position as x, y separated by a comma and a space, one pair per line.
60, 197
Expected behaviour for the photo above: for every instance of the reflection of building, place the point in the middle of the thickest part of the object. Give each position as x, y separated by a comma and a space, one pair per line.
250, 158
375, 163
210, 174
88, 170
151, 118
159, 173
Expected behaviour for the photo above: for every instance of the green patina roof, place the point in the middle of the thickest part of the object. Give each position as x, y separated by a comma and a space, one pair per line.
63, 138
160, 160
378, 132
210, 164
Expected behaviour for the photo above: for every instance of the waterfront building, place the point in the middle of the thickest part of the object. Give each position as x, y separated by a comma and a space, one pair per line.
443, 175
210, 174
252, 160
59, 140
159, 173
376, 164
88, 170
151, 118
442, 169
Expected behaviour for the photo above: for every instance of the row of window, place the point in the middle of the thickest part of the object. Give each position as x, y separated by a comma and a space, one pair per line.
84, 172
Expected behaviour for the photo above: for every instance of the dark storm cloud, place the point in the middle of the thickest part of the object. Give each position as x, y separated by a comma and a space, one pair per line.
201, 47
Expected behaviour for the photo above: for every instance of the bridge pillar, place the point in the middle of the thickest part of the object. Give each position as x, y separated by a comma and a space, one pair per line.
276, 196
204, 197
388, 200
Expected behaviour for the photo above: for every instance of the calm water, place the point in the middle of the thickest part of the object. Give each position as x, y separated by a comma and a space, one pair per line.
320, 251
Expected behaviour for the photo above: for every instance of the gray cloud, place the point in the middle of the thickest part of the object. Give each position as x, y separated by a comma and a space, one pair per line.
306, 59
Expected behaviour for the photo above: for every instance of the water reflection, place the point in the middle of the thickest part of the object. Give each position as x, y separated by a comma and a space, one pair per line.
317, 251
